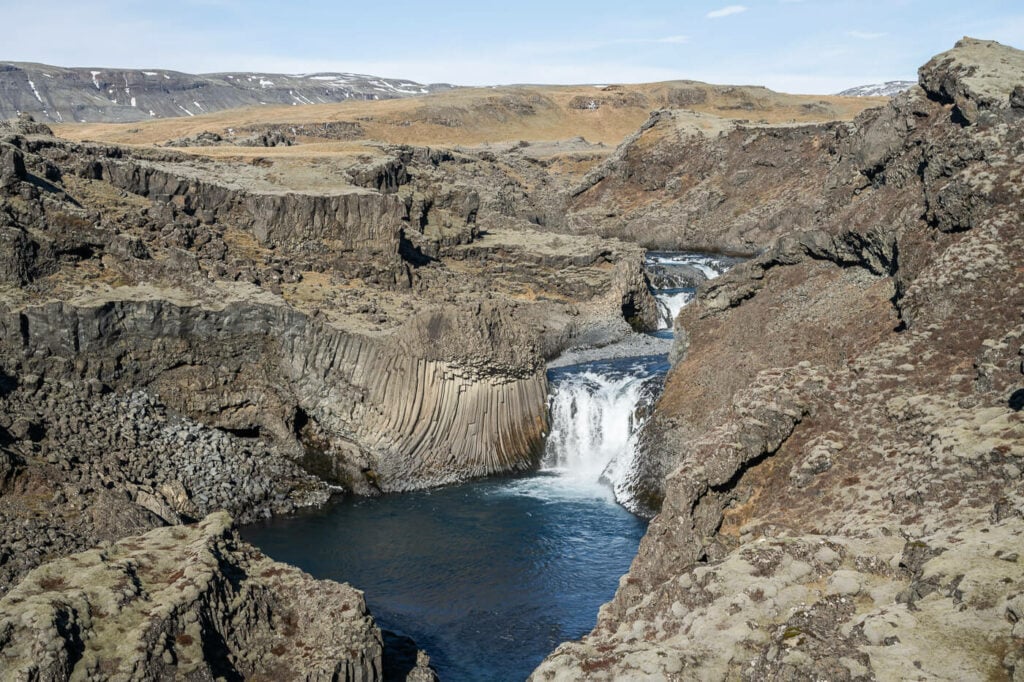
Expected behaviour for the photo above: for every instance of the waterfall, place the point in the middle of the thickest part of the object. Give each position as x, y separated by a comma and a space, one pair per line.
597, 410
594, 423
598, 407
670, 302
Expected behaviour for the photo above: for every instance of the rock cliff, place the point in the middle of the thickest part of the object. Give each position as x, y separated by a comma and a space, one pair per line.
837, 453
189, 602
689, 181
181, 335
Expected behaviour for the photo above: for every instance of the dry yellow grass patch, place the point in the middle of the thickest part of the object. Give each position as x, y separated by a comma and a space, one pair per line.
473, 116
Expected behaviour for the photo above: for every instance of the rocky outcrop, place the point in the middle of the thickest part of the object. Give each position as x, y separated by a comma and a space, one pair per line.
12, 166
185, 602
691, 182
351, 220
979, 77
837, 452
370, 217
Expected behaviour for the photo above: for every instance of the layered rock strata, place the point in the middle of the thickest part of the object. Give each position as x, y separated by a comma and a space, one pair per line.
837, 455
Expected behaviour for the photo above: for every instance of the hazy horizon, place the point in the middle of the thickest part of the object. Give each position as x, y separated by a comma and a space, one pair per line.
800, 46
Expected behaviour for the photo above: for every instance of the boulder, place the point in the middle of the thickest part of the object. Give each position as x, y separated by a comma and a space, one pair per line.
12, 166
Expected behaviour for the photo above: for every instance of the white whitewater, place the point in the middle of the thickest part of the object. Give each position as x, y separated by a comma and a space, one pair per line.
670, 303
595, 425
710, 266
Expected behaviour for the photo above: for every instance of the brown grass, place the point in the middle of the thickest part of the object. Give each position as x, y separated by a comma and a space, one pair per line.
50, 583
473, 116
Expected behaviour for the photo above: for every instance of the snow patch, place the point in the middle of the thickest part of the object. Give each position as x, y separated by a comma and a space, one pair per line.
887, 89
133, 102
94, 81
34, 91
150, 73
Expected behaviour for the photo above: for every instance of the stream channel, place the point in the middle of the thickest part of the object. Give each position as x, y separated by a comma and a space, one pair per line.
489, 577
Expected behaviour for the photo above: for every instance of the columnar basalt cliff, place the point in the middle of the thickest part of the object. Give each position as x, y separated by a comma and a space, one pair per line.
837, 456
185, 335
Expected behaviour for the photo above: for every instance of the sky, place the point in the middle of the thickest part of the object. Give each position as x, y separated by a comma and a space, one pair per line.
802, 46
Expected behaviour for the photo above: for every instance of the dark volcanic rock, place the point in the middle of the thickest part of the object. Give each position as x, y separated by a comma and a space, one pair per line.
692, 182
12, 166
179, 336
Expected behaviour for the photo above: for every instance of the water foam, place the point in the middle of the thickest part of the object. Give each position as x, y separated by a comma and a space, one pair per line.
670, 302
596, 415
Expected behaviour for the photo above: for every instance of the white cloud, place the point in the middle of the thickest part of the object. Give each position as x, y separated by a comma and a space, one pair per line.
726, 11
865, 35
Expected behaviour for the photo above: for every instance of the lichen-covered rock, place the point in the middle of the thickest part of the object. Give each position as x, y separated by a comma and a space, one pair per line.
184, 603
977, 76
838, 455
816, 607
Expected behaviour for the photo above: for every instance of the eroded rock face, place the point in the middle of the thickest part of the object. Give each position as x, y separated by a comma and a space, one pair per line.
837, 454
185, 602
180, 335
692, 182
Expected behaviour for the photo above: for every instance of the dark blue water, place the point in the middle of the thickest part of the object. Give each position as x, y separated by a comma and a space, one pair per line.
487, 577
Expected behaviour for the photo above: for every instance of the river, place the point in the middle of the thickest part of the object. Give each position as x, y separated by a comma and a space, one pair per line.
489, 577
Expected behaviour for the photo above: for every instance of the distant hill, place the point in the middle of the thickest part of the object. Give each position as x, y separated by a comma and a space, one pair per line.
887, 89
65, 95
471, 116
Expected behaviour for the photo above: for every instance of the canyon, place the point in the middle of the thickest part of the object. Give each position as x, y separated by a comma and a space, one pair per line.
249, 312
